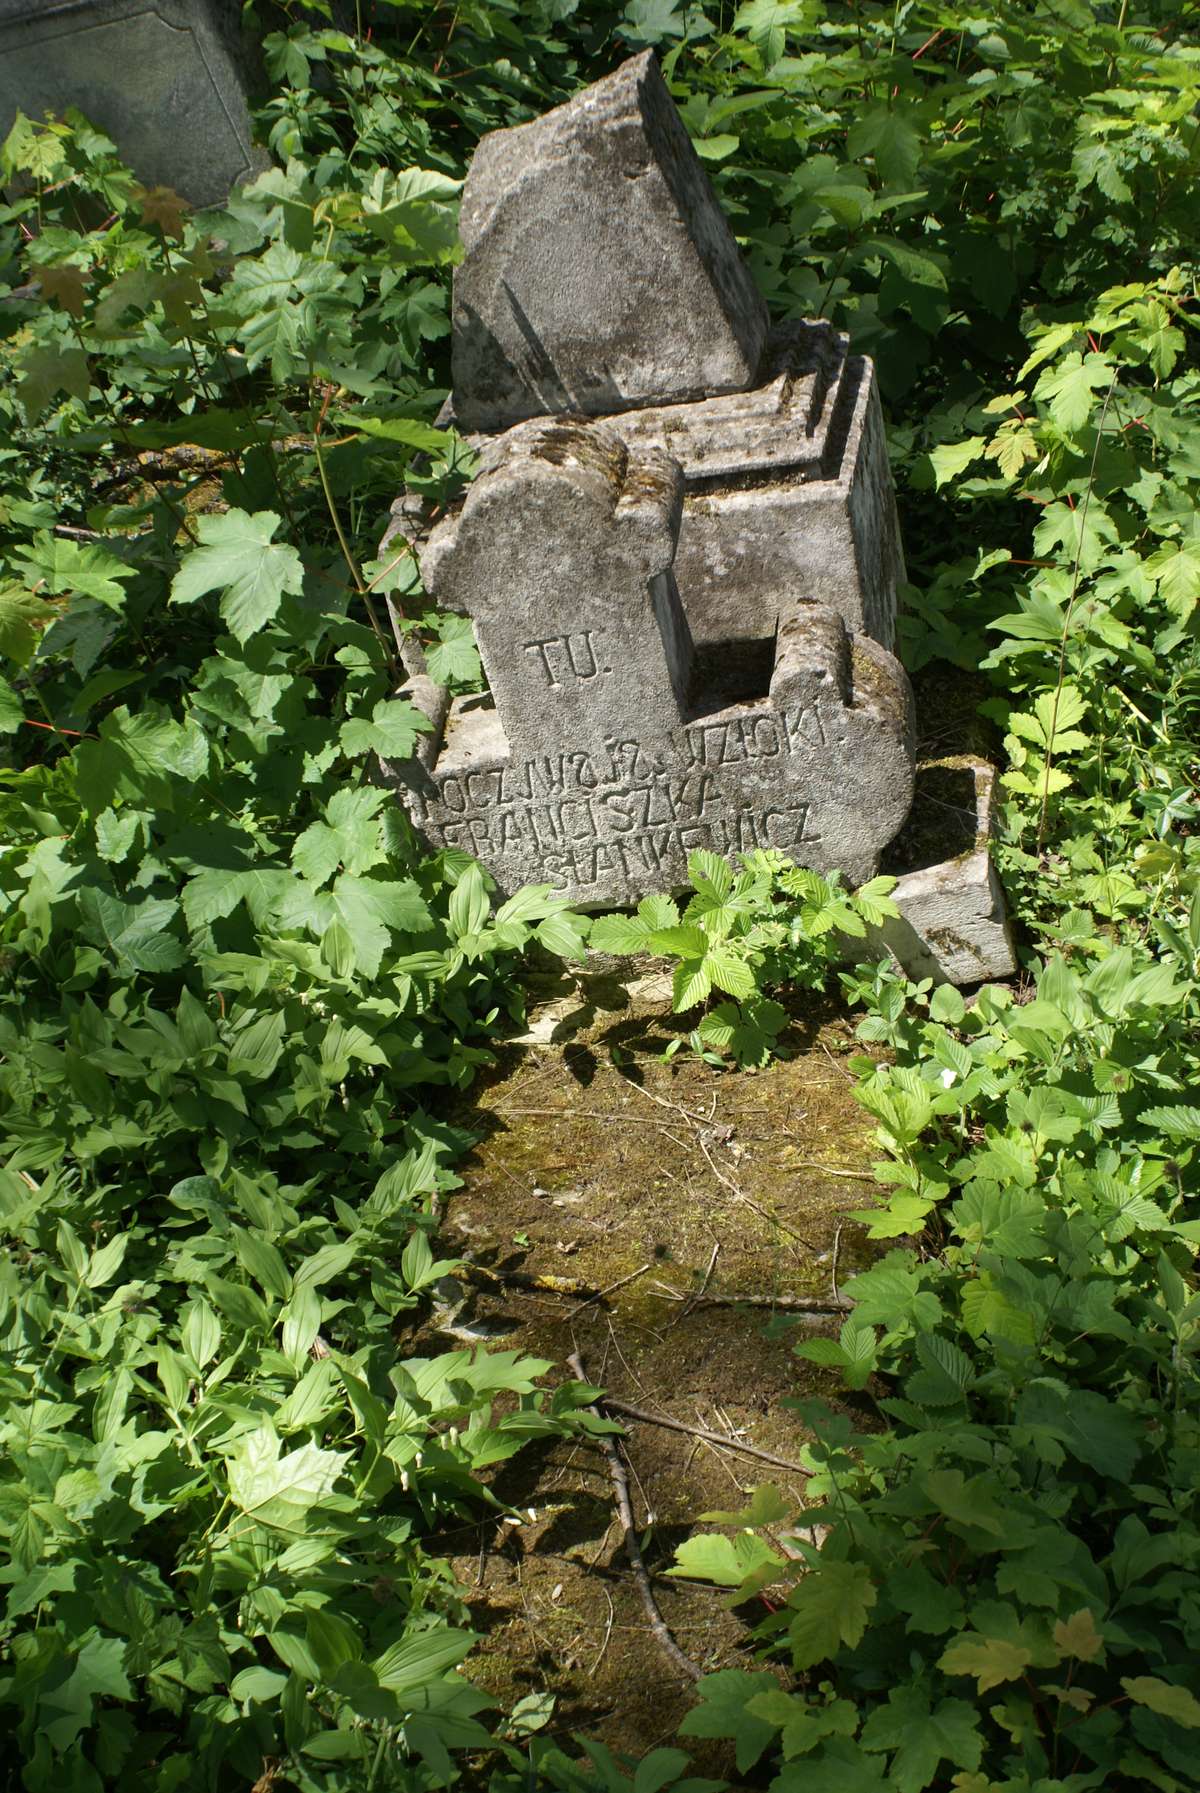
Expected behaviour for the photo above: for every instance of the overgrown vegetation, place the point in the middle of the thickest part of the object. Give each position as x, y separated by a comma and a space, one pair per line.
232, 980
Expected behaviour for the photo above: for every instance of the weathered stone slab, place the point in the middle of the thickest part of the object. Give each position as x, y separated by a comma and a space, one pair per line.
166, 79
952, 925
611, 753
599, 272
787, 490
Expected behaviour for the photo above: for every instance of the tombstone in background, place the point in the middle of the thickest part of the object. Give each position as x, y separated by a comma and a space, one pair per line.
610, 755
165, 79
684, 597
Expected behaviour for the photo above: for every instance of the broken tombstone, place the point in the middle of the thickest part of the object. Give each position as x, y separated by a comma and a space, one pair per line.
610, 750
599, 277
683, 577
598, 270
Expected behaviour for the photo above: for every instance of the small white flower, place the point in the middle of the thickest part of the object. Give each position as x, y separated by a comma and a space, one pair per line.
948, 1078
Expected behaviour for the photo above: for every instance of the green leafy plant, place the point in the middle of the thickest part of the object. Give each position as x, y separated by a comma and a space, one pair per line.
1022, 1533
231, 983
234, 984
769, 925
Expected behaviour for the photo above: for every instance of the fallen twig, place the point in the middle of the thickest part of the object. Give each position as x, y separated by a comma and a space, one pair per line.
831, 1170
582, 1114
611, 1288
608, 1630
620, 1482
701, 1432
739, 1194
840, 1069
788, 1304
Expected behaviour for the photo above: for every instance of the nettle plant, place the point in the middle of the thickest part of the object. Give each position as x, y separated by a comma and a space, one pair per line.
769, 925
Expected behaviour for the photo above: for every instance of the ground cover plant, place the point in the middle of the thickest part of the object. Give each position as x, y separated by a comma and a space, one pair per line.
233, 985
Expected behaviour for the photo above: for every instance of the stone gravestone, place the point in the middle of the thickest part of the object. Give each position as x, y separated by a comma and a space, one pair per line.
599, 276
681, 552
607, 759
165, 79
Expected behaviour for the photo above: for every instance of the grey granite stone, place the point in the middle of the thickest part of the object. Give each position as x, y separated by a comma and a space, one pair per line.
611, 747
952, 926
166, 79
599, 272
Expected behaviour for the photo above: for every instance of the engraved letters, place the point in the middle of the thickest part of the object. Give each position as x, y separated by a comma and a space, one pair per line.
567, 658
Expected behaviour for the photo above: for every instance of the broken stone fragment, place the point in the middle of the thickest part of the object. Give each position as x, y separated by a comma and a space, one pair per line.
168, 82
611, 752
599, 271
952, 926
562, 555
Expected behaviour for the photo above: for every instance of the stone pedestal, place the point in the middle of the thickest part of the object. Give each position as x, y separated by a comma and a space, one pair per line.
166, 79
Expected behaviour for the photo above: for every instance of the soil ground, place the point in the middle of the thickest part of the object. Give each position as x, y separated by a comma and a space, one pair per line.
692, 1200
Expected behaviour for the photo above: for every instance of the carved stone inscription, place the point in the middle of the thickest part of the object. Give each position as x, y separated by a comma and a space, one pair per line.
630, 816
566, 657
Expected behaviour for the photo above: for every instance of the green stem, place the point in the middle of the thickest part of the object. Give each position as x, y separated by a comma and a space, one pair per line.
1066, 629
395, 670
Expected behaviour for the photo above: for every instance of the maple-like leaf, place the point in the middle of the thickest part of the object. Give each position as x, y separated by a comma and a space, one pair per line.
164, 207
350, 836
47, 371
238, 558
66, 566
1071, 388
391, 731
923, 1736
991, 1660
65, 286
1166, 1698
22, 616
1077, 1636
829, 1608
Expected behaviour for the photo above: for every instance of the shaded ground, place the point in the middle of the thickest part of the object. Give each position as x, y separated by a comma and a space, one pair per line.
679, 1190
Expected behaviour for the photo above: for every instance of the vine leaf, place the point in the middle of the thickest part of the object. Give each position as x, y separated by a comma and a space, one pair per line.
923, 1736
829, 1606
1165, 1698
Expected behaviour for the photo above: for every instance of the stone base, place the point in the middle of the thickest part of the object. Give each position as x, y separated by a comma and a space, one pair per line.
952, 925
166, 81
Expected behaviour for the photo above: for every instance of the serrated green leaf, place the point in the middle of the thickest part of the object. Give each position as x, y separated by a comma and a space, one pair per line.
135, 934
280, 1489
829, 1608
238, 557
727, 1561
1166, 1698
